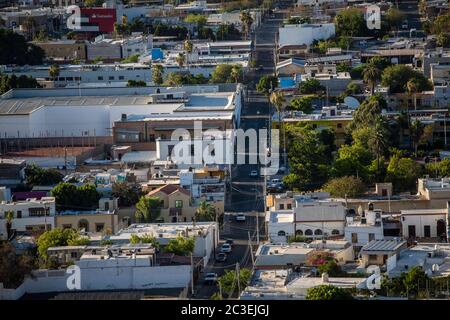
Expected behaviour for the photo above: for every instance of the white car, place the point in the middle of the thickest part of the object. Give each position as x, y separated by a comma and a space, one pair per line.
226, 248
211, 278
254, 173
240, 217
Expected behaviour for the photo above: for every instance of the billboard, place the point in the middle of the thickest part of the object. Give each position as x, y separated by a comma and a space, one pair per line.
98, 19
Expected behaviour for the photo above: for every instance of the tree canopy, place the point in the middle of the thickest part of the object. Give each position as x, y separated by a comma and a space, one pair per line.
58, 237
14, 49
37, 176
328, 292
349, 186
397, 76
71, 197
181, 246
148, 209
14, 267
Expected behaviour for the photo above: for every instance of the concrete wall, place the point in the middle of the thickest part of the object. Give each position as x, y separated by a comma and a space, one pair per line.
115, 278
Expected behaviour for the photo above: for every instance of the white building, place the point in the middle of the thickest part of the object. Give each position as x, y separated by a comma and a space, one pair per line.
304, 34
29, 215
424, 223
280, 256
319, 2
103, 272
206, 235
92, 111
81, 75
318, 218
360, 230
280, 225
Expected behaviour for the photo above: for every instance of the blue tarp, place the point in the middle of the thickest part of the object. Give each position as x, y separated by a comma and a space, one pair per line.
157, 54
286, 82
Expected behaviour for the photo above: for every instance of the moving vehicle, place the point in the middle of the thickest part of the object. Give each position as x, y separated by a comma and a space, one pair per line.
240, 217
226, 248
221, 257
211, 278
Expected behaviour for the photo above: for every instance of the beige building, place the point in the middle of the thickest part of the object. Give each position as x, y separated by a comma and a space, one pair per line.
92, 222
176, 204
66, 50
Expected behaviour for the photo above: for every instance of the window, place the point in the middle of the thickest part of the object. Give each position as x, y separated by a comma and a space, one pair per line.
308, 232
99, 78
426, 231
110, 78
354, 238
281, 233
19, 214
178, 203
99, 227
299, 232
106, 206
121, 77
36, 212
281, 206
151, 138
289, 206
335, 232
318, 232
371, 236
74, 255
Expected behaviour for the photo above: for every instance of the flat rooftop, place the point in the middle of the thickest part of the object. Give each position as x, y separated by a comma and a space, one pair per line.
26, 101
292, 249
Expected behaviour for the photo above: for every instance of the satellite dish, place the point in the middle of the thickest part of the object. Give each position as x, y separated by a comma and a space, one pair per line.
351, 102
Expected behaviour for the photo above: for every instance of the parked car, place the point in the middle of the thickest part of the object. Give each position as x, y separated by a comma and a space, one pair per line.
221, 257
226, 248
254, 173
211, 278
240, 217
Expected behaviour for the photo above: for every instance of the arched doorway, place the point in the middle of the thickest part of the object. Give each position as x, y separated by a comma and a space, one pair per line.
299, 232
83, 224
441, 230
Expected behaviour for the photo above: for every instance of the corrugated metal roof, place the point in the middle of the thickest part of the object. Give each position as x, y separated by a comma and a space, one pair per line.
383, 245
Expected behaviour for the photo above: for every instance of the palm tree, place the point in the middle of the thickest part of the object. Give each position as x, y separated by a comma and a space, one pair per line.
205, 212
180, 59
157, 74
30, 25
53, 72
188, 47
278, 100
247, 21
236, 72
9, 216
412, 86
377, 141
416, 132
371, 75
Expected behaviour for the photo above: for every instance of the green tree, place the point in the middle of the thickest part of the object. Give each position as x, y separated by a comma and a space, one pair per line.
135, 239
14, 49
181, 246
128, 193
37, 176
441, 24
307, 159
157, 74
303, 104
148, 209
9, 217
247, 21
205, 212
371, 75
226, 73
136, 83
439, 169
14, 267
328, 292
198, 19
180, 59
71, 197
53, 72
349, 186
228, 281
311, 86
58, 237
131, 59
416, 132
443, 40
397, 76
266, 85
395, 17
350, 22
403, 173
11, 82
414, 279
412, 87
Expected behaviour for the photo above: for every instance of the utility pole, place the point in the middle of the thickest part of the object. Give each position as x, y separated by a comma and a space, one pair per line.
237, 277
250, 248
192, 275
